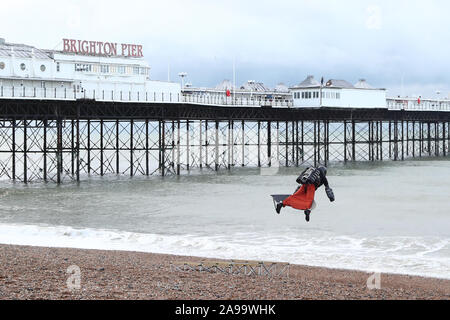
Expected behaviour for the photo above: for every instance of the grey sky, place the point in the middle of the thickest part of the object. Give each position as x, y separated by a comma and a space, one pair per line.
271, 41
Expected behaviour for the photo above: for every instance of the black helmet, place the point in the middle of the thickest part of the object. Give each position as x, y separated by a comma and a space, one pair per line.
323, 170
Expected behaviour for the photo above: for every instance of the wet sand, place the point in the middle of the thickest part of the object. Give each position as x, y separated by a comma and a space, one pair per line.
40, 273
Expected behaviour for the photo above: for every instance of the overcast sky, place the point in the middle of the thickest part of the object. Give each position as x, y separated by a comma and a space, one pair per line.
271, 41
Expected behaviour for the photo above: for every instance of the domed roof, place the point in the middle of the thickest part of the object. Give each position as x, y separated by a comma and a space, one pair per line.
362, 84
225, 85
252, 85
309, 82
281, 87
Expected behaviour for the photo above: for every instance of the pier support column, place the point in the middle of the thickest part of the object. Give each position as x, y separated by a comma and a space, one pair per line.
59, 166
147, 149
315, 144
78, 146
259, 144
200, 144
297, 160
403, 141
25, 153
217, 147
429, 139
278, 143
444, 150
243, 144
370, 140
117, 147
232, 144
303, 141
131, 148
206, 144
72, 147
286, 134
173, 146
345, 141
178, 148
88, 147
414, 139
381, 141
353, 141
45, 151
13, 150
101, 148
162, 149
188, 146
229, 145
269, 143
390, 140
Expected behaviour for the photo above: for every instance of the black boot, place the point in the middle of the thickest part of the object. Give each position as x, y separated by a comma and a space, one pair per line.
307, 214
279, 206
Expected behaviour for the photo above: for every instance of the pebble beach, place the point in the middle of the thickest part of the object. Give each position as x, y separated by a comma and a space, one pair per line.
36, 273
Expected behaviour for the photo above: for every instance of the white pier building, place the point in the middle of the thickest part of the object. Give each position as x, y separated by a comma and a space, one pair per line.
92, 69
337, 94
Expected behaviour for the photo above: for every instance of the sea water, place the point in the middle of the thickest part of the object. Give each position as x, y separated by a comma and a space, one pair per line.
388, 217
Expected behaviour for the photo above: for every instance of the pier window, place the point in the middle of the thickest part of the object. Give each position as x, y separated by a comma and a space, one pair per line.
122, 69
144, 71
83, 67
104, 68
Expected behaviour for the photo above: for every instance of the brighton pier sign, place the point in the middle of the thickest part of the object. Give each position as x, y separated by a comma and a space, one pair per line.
98, 48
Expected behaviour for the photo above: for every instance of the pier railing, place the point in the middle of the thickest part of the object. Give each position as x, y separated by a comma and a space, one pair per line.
412, 104
23, 92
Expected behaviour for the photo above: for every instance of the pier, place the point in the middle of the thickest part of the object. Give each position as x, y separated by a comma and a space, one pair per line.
61, 140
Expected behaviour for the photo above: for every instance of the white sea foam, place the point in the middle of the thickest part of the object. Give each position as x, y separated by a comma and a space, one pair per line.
423, 256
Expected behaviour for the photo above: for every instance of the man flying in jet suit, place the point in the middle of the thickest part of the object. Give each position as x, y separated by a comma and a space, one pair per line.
310, 180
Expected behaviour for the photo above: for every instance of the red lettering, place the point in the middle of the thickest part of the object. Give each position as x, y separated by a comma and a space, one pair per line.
73, 46
113, 49
92, 49
66, 45
124, 47
107, 48
100, 47
84, 47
